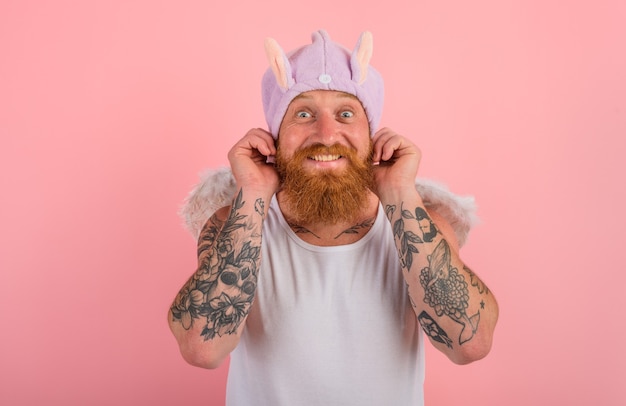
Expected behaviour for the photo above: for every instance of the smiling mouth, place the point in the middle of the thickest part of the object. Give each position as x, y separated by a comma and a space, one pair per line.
324, 158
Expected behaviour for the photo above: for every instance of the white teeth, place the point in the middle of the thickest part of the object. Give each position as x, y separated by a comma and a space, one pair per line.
325, 158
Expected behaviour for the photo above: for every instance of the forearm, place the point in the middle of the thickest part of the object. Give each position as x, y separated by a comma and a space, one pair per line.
209, 313
456, 310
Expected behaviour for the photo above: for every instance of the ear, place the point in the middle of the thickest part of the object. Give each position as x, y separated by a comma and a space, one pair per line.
361, 56
279, 63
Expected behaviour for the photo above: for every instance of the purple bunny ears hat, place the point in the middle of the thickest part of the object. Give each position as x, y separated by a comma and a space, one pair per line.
322, 65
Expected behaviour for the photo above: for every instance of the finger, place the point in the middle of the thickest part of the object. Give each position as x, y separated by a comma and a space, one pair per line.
381, 137
386, 144
263, 141
390, 147
258, 140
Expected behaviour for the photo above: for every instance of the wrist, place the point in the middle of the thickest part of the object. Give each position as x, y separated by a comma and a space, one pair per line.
400, 193
256, 191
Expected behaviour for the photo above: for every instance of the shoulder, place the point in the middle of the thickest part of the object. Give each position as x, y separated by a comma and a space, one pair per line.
214, 192
445, 228
456, 211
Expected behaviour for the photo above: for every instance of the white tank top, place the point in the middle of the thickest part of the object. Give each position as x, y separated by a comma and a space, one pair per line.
329, 325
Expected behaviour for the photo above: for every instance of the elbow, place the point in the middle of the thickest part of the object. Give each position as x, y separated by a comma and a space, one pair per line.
475, 349
471, 354
201, 357
199, 352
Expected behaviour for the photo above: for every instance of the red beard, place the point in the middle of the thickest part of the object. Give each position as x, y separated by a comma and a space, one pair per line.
325, 196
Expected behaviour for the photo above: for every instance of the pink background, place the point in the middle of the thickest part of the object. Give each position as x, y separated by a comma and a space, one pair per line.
109, 110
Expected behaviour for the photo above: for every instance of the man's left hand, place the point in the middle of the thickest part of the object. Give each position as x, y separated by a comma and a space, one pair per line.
397, 160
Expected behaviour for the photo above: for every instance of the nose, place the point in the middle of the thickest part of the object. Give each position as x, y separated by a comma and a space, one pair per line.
326, 128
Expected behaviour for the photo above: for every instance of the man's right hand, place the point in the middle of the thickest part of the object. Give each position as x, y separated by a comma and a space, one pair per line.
248, 161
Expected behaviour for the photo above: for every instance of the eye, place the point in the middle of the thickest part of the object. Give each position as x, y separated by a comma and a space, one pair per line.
303, 114
347, 114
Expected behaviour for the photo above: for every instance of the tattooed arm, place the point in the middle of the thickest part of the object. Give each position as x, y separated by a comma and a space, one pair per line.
455, 308
208, 315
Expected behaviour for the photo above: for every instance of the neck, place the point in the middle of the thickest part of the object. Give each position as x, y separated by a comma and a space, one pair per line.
331, 234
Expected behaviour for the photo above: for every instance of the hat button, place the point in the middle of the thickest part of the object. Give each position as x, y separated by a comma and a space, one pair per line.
325, 78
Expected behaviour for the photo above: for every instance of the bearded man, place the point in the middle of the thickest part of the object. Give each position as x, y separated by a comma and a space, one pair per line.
314, 277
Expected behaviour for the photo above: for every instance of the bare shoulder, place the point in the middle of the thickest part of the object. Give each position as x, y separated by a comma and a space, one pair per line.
445, 228
215, 222
221, 214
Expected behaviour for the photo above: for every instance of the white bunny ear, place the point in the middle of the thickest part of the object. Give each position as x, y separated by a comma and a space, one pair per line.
361, 56
279, 63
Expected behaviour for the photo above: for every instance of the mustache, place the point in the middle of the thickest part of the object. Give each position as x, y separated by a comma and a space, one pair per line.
319, 149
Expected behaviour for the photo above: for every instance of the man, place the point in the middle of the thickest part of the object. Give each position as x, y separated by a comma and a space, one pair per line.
316, 276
